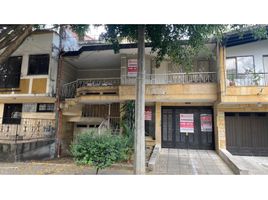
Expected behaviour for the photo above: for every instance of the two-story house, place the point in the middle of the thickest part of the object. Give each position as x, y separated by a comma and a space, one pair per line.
179, 104
28, 90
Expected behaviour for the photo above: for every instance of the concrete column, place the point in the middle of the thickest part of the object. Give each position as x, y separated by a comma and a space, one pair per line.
139, 167
158, 123
219, 129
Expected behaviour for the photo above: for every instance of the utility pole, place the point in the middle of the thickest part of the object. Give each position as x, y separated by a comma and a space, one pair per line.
58, 95
139, 167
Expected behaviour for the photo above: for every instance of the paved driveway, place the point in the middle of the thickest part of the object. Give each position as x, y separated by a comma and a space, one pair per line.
188, 162
253, 164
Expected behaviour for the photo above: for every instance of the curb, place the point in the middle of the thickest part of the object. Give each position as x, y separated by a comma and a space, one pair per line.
154, 157
232, 162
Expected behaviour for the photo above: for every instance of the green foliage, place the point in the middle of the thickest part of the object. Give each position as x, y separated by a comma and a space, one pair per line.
180, 42
128, 125
128, 110
99, 151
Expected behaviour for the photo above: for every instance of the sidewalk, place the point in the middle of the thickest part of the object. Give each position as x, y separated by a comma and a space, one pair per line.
57, 167
190, 162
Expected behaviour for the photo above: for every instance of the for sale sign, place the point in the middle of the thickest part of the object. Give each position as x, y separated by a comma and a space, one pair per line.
206, 122
132, 67
187, 123
148, 113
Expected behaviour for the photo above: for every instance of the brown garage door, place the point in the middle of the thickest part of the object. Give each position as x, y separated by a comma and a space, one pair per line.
247, 133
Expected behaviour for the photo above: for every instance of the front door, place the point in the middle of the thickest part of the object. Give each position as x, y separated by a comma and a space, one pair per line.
187, 127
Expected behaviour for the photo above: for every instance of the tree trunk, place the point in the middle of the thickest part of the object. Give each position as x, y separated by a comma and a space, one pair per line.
139, 167
15, 44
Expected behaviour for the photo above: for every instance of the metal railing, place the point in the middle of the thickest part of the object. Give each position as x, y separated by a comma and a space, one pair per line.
174, 78
247, 79
69, 89
26, 129
110, 123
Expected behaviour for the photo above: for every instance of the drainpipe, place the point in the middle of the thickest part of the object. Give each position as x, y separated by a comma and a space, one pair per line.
58, 96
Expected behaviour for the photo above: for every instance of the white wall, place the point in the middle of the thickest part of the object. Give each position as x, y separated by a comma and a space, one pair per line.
256, 49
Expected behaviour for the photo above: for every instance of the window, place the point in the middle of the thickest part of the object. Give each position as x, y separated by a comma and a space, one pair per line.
12, 114
10, 72
45, 107
240, 69
38, 64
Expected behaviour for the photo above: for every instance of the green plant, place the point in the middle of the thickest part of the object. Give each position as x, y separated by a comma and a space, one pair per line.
128, 124
99, 151
128, 134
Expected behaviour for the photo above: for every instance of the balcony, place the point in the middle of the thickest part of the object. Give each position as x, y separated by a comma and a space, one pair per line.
90, 86
174, 78
247, 79
109, 86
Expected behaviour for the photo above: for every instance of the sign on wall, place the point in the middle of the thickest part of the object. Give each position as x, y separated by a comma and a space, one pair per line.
132, 67
206, 122
187, 123
148, 113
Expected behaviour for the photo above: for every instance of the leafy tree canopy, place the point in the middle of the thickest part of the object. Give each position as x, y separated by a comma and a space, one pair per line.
180, 42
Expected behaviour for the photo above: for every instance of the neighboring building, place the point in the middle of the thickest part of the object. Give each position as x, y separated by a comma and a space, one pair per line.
28, 92
241, 111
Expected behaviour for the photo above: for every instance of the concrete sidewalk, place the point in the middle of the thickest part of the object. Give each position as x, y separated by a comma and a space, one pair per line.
190, 162
245, 165
52, 168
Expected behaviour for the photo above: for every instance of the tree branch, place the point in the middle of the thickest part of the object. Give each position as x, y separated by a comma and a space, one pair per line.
15, 44
10, 37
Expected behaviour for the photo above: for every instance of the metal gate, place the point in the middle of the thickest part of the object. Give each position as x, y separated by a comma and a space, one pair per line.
187, 127
247, 133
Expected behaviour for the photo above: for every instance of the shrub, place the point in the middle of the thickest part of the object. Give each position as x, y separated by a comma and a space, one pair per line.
99, 151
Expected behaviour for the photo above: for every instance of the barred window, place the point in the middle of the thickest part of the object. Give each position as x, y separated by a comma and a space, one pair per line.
38, 64
45, 107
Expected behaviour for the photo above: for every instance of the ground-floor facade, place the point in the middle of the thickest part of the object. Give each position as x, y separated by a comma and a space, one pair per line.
241, 129
27, 129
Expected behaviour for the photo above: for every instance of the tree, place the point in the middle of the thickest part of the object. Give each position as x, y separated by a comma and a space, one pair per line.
181, 43
12, 36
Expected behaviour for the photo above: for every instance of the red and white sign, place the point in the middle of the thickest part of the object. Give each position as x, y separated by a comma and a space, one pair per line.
132, 67
206, 122
187, 123
148, 113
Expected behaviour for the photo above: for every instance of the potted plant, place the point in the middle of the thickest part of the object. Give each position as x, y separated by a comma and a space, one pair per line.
231, 79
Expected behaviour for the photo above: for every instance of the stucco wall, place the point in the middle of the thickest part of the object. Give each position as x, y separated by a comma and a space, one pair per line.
257, 49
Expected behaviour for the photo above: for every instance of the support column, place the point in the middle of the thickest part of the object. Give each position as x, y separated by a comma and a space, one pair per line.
220, 135
140, 105
158, 123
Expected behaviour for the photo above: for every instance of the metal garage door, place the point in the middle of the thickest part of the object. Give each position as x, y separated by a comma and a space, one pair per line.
247, 133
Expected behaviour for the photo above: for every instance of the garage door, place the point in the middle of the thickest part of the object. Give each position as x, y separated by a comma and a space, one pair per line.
187, 127
247, 133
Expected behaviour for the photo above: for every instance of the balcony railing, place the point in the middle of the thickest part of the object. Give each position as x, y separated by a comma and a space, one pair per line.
69, 90
174, 78
26, 129
248, 79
